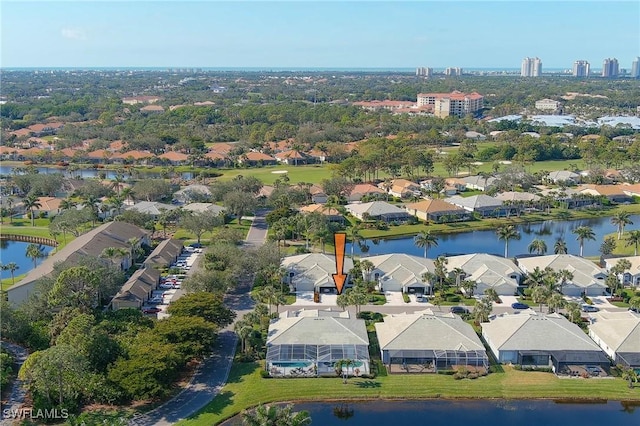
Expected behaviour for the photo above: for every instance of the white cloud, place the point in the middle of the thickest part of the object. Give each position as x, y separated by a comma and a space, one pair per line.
73, 33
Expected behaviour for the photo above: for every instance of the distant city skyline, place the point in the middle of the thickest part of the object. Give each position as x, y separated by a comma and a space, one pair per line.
322, 34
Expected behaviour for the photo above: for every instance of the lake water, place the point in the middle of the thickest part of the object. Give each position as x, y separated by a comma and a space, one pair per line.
487, 241
15, 251
6, 170
469, 413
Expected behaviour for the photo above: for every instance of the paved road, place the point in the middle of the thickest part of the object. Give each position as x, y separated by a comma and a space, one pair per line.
212, 374
18, 391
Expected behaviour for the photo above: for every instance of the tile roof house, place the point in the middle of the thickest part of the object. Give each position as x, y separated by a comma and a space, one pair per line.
364, 189
404, 188
175, 158
427, 342
253, 158
204, 208
153, 208
479, 182
517, 196
293, 157
564, 176
488, 271
614, 193
134, 156
401, 272
632, 190
49, 206
587, 277
437, 210
313, 272
378, 210
310, 342
482, 204
332, 215
137, 290
92, 243
152, 109
534, 340
194, 192
618, 334
632, 275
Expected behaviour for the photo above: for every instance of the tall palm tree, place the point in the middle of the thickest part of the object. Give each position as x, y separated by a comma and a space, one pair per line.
621, 219
506, 233
30, 203
354, 235
538, 246
273, 415
564, 276
560, 247
35, 252
425, 240
67, 204
584, 233
12, 267
633, 239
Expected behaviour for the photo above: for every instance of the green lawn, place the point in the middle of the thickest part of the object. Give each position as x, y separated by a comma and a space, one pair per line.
245, 388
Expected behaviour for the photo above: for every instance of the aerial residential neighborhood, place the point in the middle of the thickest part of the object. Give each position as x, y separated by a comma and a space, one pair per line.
225, 213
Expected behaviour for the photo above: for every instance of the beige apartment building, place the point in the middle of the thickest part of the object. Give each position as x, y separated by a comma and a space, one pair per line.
451, 104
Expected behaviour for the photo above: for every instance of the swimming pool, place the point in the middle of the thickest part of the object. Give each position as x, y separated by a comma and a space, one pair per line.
291, 364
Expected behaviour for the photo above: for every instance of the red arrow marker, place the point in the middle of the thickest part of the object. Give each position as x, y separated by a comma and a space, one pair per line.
340, 240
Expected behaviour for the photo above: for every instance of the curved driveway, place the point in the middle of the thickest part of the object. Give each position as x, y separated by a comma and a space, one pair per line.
212, 374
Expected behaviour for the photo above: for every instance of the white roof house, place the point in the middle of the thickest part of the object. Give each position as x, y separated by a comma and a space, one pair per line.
378, 210
516, 196
309, 342
478, 182
563, 176
204, 208
401, 272
587, 277
630, 276
429, 341
313, 271
618, 334
193, 192
153, 208
539, 340
482, 204
488, 271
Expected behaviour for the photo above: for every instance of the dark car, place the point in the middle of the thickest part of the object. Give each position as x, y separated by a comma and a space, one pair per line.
459, 310
150, 310
519, 305
636, 310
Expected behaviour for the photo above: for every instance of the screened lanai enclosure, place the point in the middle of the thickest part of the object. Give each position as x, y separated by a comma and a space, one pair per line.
430, 361
312, 360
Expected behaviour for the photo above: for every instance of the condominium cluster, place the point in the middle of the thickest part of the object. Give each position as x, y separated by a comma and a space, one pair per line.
532, 67
449, 72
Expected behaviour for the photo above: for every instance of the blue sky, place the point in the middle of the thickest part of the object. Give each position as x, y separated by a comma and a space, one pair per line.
356, 34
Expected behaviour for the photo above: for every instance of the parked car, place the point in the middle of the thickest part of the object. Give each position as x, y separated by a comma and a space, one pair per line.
519, 305
421, 298
166, 286
636, 310
459, 310
593, 370
155, 300
150, 310
589, 308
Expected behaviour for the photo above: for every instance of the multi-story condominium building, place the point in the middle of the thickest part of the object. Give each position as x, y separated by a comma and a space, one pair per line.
548, 105
453, 71
610, 68
581, 69
531, 67
635, 68
424, 72
454, 103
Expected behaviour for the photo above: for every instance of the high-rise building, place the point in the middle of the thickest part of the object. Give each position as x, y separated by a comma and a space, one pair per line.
635, 68
424, 72
454, 103
610, 68
453, 71
531, 67
581, 69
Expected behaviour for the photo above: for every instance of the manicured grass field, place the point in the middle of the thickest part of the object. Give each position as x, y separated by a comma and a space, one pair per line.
245, 388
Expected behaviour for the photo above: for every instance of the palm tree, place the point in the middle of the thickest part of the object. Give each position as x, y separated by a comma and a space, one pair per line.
12, 267
273, 415
67, 204
630, 375
621, 219
555, 302
506, 233
560, 247
35, 252
564, 276
584, 233
633, 239
113, 253
354, 235
30, 203
342, 367
243, 329
538, 246
425, 240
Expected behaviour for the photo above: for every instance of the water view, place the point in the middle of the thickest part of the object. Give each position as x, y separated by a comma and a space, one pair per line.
87, 173
465, 412
16, 251
487, 241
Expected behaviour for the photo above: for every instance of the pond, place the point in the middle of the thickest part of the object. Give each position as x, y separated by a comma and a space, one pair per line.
487, 241
15, 251
86, 173
469, 412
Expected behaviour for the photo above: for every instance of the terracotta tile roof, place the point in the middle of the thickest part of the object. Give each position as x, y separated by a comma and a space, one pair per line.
152, 108
366, 188
8, 150
221, 147
633, 189
32, 152
290, 155
213, 155
320, 208
433, 206
99, 153
49, 203
69, 152
21, 132
135, 154
604, 189
174, 156
257, 156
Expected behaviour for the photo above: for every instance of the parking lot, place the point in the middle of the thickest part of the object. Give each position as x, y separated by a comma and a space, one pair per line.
170, 287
